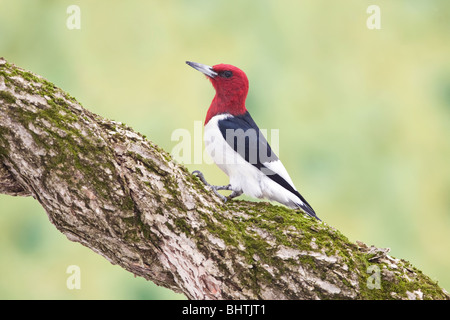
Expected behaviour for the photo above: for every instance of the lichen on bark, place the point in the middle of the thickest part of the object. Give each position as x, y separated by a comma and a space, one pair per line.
114, 191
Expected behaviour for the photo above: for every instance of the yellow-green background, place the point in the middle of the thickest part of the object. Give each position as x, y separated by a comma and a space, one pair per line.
364, 115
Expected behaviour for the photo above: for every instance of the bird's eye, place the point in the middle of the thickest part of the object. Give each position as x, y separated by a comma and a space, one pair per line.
226, 74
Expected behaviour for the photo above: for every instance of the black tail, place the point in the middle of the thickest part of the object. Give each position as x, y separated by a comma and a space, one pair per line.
305, 207
308, 210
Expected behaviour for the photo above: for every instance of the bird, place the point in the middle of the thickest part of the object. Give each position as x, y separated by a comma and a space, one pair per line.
236, 145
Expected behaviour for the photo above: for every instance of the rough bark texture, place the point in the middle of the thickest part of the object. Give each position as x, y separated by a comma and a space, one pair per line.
109, 188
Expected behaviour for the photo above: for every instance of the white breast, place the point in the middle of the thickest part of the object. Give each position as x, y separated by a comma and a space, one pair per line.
243, 176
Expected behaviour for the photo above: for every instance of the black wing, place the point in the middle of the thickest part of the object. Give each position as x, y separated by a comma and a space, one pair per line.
244, 136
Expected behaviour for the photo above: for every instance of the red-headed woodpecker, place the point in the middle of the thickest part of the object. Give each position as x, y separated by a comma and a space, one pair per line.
237, 146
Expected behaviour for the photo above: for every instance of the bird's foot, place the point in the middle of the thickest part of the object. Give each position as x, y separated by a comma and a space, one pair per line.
234, 194
213, 188
200, 175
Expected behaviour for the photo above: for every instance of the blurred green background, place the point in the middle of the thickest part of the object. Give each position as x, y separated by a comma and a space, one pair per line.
364, 115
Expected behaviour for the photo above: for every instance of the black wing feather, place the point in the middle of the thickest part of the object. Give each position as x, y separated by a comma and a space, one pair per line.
244, 136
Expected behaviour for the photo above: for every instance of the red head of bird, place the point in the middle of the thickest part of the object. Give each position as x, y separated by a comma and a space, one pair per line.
231, 85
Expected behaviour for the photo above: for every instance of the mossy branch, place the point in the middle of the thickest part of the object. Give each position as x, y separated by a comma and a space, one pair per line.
110, 189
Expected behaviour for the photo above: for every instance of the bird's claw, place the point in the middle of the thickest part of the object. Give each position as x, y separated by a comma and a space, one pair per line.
213, 188
200, 175
234, 194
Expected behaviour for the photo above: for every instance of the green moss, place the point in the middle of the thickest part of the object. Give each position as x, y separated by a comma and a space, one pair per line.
397, 284
132, 236
148, 163
4, 144
7, 97
127, 204
183, 226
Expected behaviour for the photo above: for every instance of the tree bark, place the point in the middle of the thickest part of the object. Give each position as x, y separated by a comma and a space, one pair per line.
112, 190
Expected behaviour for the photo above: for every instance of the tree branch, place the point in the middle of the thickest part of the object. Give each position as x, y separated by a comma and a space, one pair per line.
109, 188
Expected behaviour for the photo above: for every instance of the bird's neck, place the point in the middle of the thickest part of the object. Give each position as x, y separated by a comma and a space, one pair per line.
232, 104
